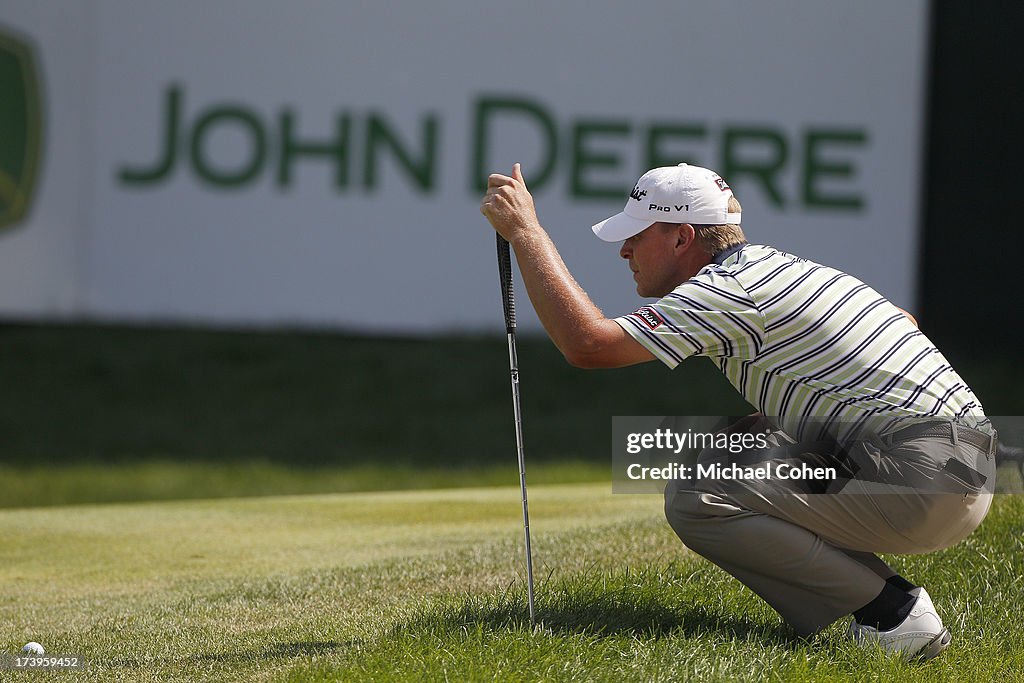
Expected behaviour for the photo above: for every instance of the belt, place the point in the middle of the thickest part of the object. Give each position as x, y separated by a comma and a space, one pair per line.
979, 440
967, 475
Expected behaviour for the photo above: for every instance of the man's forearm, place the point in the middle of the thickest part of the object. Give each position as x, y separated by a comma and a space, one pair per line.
577, 327
565, 310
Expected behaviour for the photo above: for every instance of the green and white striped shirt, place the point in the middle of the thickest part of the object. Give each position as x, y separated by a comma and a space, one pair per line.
805, 344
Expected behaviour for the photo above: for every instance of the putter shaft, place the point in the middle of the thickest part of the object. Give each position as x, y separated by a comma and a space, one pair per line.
514, 372
508, 301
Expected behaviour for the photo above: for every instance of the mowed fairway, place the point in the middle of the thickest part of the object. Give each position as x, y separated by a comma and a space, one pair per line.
427, 585
232, 589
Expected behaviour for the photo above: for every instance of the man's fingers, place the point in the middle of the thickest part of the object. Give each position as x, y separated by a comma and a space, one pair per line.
497, 180
517, 173
502, 191
507, 203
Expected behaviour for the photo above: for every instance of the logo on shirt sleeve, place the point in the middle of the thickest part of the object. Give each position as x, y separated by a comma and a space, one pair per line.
649, 316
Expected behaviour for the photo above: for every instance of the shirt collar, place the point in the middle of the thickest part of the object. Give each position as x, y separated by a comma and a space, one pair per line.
720, 257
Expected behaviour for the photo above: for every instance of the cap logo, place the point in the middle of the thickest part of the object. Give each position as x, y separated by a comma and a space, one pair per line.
637, 193
721, 184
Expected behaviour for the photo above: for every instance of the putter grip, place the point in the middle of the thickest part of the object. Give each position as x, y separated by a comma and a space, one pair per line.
508, 298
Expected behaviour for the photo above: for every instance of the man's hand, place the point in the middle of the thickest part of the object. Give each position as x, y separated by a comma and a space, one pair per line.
508, 205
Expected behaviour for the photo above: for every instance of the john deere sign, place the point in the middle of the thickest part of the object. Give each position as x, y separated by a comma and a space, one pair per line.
290, 175
822, 159
20, 123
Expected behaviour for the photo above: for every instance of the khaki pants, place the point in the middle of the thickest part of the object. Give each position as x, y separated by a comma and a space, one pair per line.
811, 555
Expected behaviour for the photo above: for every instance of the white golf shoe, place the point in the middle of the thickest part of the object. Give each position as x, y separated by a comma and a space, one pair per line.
920, 636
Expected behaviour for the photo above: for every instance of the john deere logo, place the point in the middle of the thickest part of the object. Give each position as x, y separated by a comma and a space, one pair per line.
20, 128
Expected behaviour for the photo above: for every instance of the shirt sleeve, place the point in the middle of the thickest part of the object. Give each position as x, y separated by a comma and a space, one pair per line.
708, 315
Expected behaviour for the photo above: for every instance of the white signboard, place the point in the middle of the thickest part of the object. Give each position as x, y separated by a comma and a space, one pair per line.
319, 164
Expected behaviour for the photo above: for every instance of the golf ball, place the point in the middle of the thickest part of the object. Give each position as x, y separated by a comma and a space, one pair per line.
33, 648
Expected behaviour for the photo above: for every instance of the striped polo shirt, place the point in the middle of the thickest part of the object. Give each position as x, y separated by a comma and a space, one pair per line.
808, 345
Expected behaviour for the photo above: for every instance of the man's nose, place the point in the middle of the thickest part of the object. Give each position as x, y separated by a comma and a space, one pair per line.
626, 250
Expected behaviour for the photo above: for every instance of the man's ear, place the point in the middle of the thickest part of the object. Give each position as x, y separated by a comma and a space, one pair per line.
685, 236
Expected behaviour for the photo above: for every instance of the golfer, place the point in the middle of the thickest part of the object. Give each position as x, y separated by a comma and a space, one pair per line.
843, 382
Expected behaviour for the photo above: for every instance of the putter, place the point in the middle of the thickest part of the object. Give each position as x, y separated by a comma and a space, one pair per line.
509, 303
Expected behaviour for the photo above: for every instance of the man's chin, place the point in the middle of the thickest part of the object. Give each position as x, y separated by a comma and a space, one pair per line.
646, 293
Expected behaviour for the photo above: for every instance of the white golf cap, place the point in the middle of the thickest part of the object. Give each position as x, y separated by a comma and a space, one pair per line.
672, 194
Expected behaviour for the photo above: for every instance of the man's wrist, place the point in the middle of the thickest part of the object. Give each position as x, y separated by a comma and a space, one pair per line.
526, 234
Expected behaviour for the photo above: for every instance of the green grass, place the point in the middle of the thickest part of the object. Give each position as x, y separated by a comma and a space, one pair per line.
182, 413
427, 585
161, 480
158, 480
193, 413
